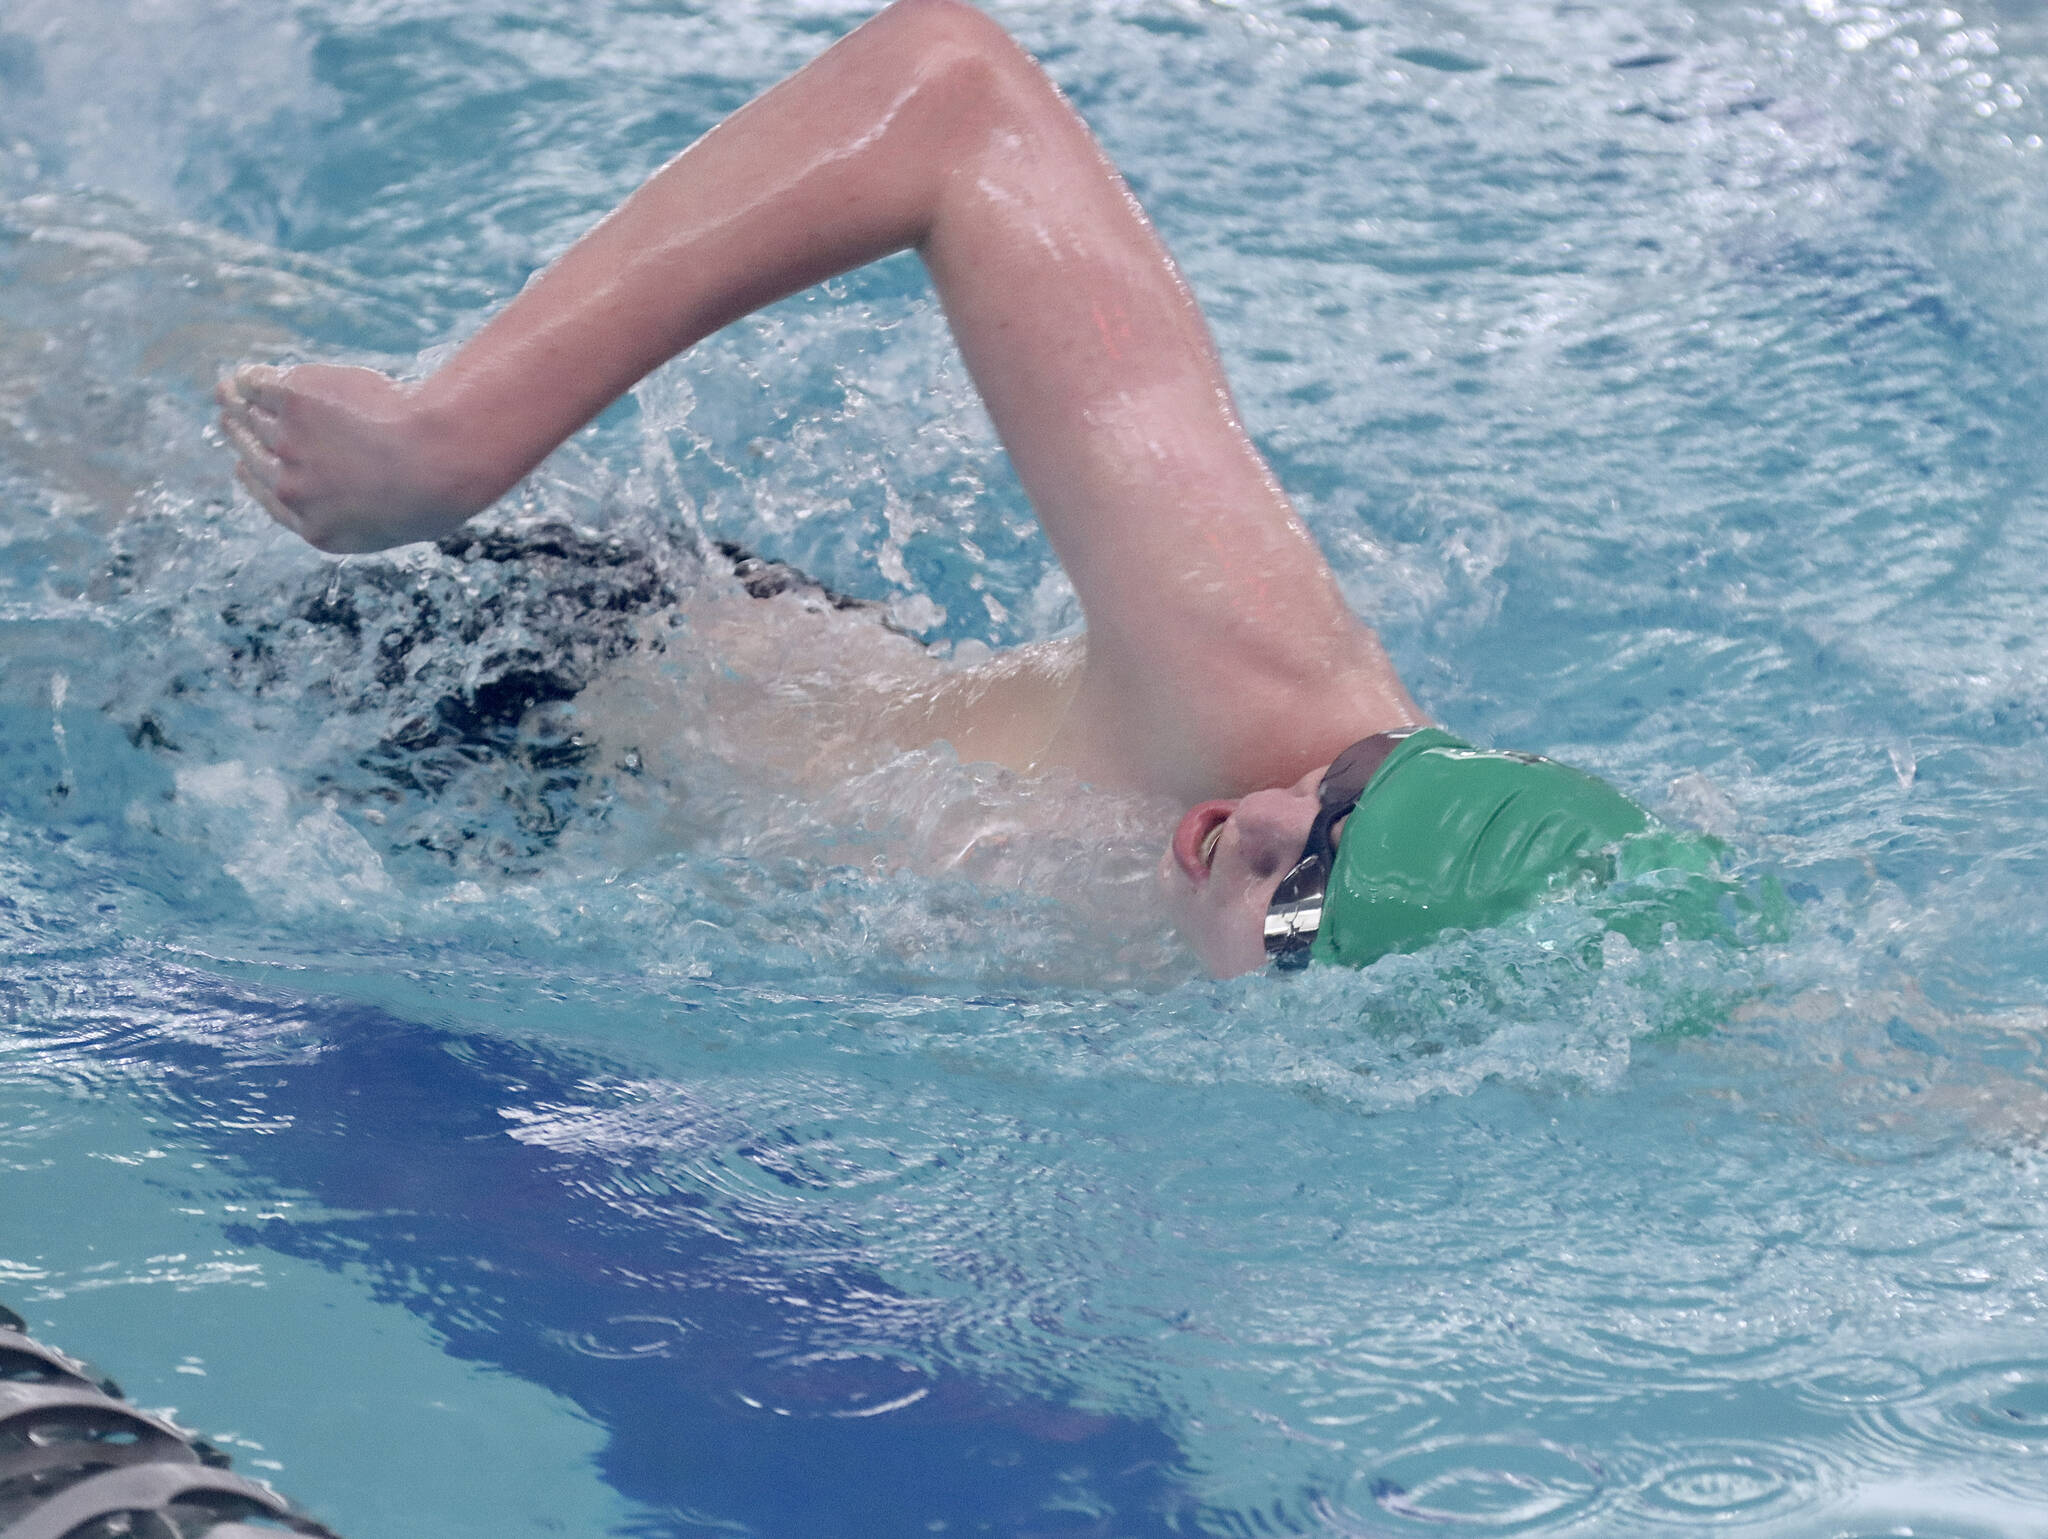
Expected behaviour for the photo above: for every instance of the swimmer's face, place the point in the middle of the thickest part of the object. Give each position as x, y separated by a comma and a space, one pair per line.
1225, 860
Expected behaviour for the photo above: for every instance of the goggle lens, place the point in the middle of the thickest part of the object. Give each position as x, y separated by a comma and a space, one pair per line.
1296, 912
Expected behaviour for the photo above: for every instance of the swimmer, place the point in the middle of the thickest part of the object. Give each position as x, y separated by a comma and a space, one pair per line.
1220, 665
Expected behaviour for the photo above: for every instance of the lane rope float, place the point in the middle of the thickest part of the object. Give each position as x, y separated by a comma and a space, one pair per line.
78, 1461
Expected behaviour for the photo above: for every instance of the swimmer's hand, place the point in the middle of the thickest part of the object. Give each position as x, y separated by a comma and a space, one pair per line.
344, 457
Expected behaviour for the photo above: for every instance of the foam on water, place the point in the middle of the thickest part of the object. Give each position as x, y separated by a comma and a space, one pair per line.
1664, 382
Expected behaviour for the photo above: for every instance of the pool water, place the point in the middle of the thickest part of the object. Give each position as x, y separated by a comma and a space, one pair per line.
487, 1134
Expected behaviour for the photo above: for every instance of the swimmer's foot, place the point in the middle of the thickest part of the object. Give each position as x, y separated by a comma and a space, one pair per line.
346, 458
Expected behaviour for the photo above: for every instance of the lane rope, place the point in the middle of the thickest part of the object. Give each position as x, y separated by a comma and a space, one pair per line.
78, 1461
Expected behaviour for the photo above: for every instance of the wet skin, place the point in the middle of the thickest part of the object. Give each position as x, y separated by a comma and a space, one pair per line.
1225, 861
1220, 656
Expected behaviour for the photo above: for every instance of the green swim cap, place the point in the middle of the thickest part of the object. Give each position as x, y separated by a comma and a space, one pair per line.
1451, 837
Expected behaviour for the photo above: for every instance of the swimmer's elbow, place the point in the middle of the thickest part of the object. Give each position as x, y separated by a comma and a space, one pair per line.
956, 15
955, 42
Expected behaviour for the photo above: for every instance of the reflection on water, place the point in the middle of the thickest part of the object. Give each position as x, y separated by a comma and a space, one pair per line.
1664, 381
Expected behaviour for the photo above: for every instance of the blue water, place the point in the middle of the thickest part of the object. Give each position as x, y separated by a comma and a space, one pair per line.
484, 1136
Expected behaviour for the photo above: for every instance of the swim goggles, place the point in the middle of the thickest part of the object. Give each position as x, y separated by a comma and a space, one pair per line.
1296, 913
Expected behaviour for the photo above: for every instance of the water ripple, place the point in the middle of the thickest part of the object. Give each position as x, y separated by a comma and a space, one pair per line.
1490, 1486
1719, 1483
1999, 1409
1861, 1381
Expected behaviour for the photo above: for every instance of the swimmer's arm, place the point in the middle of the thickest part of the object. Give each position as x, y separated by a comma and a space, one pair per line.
1221, 656
847, 161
